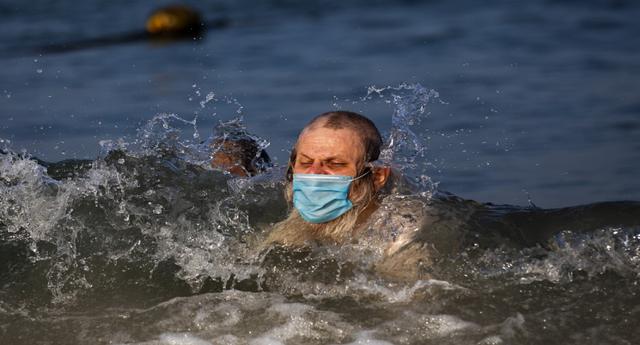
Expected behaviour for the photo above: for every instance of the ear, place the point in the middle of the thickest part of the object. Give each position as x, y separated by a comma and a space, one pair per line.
380, 176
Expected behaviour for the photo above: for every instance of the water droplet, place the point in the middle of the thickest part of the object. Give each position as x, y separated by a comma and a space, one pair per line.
208, 98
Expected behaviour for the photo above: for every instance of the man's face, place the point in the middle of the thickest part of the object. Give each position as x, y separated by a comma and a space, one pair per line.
328, 151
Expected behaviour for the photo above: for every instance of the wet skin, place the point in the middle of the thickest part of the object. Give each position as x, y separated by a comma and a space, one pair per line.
333, 152
328, 151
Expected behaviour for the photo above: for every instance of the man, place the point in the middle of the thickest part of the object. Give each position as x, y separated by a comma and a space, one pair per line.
236, 151
331, 179
335, 187
239, 156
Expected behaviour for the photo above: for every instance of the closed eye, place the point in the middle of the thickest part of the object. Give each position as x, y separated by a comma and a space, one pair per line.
337, 164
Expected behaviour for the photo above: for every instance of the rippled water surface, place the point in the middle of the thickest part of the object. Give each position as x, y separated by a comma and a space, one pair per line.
540, 97
499, 118
148, 244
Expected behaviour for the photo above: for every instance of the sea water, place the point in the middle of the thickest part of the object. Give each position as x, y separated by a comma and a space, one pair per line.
539, 99
149, 244
529, 106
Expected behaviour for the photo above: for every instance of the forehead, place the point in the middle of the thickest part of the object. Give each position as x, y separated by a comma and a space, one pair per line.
324, 143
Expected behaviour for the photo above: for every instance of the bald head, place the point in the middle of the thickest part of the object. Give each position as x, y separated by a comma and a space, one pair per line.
366, 130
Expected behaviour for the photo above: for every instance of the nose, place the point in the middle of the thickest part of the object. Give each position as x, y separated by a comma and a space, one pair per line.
317, 168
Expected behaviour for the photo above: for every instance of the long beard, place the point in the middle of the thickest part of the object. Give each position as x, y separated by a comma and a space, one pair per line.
296, 232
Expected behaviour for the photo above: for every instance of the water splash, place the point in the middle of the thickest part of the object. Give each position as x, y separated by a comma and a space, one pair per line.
407, 146
151, 220
569, 255
150, 205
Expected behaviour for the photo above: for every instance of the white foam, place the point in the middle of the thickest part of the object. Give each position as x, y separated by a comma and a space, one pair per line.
231, 314
429, 326
297, 321
182, 339
512, 325
297, 324
265, 341
397, 292
444, 325
491, 340
365, 338
227, 339
290, 309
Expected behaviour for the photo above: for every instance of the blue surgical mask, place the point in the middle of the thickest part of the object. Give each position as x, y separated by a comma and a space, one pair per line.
320, 198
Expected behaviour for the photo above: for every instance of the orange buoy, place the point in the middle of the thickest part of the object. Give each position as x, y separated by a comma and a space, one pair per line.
176, 20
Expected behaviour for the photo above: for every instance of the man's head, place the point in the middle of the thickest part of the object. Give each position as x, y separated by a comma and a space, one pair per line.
340, 143
236, 151
238, 156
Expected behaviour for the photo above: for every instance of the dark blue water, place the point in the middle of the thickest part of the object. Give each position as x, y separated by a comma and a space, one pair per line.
541, 97
499, 101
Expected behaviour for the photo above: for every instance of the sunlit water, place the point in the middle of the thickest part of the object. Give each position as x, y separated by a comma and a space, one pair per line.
144, 243
150, 245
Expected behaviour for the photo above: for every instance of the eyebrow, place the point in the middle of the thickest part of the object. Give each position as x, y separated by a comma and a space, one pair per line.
328, 159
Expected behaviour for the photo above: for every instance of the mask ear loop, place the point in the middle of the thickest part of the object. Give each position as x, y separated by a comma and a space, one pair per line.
364, 174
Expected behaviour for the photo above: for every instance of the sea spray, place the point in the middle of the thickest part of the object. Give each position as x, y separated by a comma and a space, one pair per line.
159, 207
406, 146
151, 244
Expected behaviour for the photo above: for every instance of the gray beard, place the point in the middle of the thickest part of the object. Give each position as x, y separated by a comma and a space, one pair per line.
295, 231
